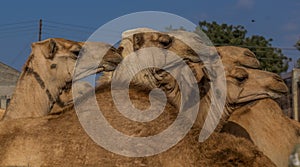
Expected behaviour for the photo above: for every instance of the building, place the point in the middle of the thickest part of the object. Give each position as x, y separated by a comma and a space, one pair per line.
290, 103
8, 80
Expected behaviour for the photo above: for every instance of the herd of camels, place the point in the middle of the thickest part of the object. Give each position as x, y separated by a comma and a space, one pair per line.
40, 126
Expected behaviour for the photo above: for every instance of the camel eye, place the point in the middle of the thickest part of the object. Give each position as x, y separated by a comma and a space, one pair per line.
76, 52
239, 74
241, 78
165, 41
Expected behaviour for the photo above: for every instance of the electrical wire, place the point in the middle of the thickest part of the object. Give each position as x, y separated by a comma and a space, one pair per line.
82, 32
71, 37
66, 29
17, 23
17, 35
22, 51
17, 27
69, 25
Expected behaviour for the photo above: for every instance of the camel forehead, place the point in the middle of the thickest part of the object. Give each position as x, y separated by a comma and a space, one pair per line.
232, 55
176, 45
67, 44
260, 74
252, 73
238, 72
129, 33
64, 43
228, 50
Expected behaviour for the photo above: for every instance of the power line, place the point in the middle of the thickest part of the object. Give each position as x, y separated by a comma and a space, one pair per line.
72, 31
74, 26
70, 25
17, 31
16, 27
66, 29
17, 23
72, 37
26, 46
16, 34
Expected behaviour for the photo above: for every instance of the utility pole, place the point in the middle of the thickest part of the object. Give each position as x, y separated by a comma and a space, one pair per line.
40, 30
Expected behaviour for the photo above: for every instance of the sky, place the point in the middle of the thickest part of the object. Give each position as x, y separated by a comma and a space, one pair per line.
77, 20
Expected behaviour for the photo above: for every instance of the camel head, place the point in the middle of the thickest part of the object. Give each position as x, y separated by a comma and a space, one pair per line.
245, 85
179, 42
47, 75
147, 45
245, 82
237, 56
54, 60
152, 46
72, 61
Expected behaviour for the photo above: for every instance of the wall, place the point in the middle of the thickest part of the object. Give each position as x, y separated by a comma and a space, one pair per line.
8, 79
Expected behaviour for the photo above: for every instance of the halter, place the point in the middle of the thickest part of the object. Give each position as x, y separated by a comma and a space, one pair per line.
42, 85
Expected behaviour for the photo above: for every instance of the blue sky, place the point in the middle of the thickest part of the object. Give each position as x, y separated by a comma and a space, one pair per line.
276, 19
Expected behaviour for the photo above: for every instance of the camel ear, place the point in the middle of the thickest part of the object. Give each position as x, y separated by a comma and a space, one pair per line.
48, 48
51, 49
120, 50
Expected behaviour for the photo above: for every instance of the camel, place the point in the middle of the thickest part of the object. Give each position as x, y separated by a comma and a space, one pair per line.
233, 55
1, 113
266, 84
263, 85
70, 146
240, 151
240, 65
48, 73
267, 127
259, 122
60, 140
69, 142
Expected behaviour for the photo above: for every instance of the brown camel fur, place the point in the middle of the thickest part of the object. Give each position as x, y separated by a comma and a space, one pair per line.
186, 146
239, 90
267, 127
61, 141
62, 147
240, 80
1, 113
47, 70
47, 74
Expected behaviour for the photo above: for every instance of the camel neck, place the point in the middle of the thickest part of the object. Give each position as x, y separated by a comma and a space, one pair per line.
42, 85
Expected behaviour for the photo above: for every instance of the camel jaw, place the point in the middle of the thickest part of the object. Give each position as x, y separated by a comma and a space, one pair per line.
258, 96
88, 71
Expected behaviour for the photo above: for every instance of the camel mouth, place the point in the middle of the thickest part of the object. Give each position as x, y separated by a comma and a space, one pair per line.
86, 72
282, 90
258, 96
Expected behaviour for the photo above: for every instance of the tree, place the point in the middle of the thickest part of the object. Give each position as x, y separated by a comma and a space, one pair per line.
170, 28
271, 59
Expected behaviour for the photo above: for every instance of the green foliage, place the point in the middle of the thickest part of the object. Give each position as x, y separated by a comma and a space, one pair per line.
271, 59
170, 28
